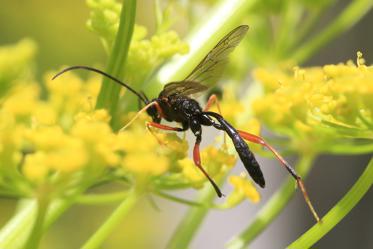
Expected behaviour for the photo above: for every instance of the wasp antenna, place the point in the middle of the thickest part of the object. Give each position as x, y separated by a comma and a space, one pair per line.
144, 95
143, 99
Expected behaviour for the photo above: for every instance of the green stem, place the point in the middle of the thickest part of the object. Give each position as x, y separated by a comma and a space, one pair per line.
338, 212
14, 233
183, 201
306, 26
37, 230
113, 221
288, 25
273, 207
109, 94
351, 15
223, 18
94, 199
351, 149
56, 209
188, 227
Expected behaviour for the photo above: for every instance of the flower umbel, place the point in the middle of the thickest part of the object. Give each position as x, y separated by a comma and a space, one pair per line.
319, 104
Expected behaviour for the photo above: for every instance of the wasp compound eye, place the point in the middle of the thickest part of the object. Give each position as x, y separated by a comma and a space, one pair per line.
153, 113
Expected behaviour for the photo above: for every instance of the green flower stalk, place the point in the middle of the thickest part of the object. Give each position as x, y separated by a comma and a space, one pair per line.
349, 17
146, 53
338, 212
109, 93
105, 230
272, 208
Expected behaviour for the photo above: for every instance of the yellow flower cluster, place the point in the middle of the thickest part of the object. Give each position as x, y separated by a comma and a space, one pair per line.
147, 53
53, 136
318, 103
63, 142
65, 135
143, 153
104, 19
15, 63
150, 53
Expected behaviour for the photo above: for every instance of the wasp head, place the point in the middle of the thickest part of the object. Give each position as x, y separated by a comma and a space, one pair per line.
153, 113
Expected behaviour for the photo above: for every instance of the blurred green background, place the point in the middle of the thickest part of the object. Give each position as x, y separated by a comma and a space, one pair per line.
60, 31
58, 28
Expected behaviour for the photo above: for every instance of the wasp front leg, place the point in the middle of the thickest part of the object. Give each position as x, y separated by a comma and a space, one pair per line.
164, 127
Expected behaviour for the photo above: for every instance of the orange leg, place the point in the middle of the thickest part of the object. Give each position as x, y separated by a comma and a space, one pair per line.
258, 140
162, 127
197, 162
196, 153
213, 99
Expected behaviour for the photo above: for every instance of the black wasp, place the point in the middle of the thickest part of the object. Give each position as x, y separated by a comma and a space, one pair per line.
174, 103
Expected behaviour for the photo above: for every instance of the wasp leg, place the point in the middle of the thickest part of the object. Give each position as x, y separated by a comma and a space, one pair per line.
197, 131
258, 140
213, 99
163, 127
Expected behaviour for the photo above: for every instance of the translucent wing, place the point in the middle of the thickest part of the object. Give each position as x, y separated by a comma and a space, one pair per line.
183, 88
211, 67
209, 70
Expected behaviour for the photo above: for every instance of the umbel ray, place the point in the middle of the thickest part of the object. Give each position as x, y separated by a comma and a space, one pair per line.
175, 104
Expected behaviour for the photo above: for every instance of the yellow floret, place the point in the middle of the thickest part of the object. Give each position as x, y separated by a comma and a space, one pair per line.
71, 157
36, 166
243, 186
146, 164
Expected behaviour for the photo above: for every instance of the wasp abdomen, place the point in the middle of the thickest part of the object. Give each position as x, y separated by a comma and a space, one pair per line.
247, 157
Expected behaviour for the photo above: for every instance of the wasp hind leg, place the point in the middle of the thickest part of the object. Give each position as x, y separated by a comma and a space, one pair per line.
258, 140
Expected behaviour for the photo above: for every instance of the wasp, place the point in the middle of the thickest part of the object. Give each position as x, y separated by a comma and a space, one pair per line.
175, 104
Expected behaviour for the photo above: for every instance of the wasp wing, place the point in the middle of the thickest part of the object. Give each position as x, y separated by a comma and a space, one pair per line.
183, 88
210, 68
